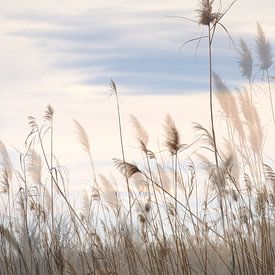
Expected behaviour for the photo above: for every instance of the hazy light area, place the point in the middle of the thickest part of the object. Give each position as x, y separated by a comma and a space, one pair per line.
64, 53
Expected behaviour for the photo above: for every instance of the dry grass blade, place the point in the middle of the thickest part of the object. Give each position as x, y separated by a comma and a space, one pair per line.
264, 49
82, 136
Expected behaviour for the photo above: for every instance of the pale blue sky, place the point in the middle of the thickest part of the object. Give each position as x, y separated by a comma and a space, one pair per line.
136, 44
139, 48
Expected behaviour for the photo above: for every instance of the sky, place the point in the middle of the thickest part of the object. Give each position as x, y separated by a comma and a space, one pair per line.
65, 53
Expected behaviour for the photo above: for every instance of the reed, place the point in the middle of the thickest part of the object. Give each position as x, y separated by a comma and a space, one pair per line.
169, 212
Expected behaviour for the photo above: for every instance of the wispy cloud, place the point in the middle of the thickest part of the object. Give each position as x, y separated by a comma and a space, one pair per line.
138, 49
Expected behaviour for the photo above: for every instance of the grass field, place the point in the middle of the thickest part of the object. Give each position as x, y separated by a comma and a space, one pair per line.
206, 207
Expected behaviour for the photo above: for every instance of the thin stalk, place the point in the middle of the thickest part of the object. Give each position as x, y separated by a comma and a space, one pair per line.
71, 209
51, 167
123, 152
176, 186
270, 96
210, 39
155, 195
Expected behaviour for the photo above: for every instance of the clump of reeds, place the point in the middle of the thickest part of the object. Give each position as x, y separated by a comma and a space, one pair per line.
163, 214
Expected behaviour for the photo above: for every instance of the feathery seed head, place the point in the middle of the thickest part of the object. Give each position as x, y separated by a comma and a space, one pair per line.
4, 181
245, 60
6, 162
141, 134
32, 122
34, 166
126, 168
113, 86
253, 122
264, 49
228, 104
206, 16
172, 134
108, 192
49, 113
82, 136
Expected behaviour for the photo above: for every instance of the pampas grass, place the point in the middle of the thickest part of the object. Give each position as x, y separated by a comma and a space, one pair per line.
178, 210
172, 136
211, 19
245, 60
264, 50
265, 56
83, 137
141, 134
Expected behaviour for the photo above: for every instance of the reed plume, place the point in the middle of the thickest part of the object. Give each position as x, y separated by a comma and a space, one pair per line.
172, 136
82, 137
228, 104
140, 133
49, 113
6, 161
245, 60
140, 182
264, 49
34, 166
206, 136
108, 192
4, 181
253, 122
205, 14
126, 168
